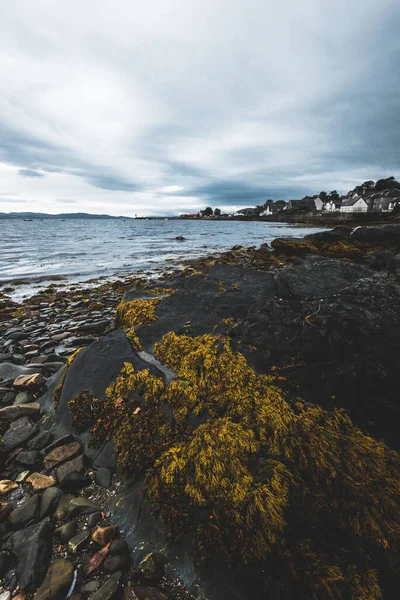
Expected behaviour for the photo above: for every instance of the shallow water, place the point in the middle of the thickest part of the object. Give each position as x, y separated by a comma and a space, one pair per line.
80, 249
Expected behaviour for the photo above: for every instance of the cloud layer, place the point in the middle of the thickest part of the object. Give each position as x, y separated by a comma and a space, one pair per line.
162, 107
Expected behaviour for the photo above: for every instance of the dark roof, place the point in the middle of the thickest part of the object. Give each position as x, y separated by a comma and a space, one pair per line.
245, 211
391, 193
351, 201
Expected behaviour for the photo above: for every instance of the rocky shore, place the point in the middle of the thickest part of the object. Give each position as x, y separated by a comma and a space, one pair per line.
229, 432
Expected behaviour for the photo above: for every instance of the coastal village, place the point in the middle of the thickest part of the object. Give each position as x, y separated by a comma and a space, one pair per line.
382, 196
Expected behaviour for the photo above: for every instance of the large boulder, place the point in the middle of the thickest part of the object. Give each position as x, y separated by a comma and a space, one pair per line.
32, 549
382, 234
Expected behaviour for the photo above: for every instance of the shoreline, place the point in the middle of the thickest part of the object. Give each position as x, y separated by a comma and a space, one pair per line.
309, 326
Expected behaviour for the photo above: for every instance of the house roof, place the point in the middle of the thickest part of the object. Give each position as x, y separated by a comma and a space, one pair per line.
391, 193
352, 201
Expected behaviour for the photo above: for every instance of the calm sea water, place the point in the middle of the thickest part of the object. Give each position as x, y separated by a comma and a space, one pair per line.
85, 248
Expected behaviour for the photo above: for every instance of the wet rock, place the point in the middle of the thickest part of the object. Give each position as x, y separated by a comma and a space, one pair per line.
18, 433
28, 457
90, 586
82, 506
78, 542
152, 566
4, 563
22, 476
65, 439
32, 550
6, 485
63, 507
22, 398
75, 465
5, 596
39, 481
59, 337
66, 532
5, 510
109, 589
57, 581
103, 535
61, 454
27, 512
11, 413
115, 563
40, 441
94, 518
118, 547
79, 342
180, 238
103, 477
33, 382
50, 501
73, 482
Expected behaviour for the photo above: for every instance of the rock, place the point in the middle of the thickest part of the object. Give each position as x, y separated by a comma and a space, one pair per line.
103, 477
75, 465
78, 342
4, 563
66, 532
90, 586
115, 563
22, 398
63, 507
18, 433
73, 482
40, 482
152, 566
28, 457
129, 594
57, 581
22, 476
10, 413
5, 596
33, 382
103, 535
78, 542
24, 514
180, 238
82, 506
61, 454
6, 485
50, 501
32, 550
148, 593
59, 337
118, 547
39, 441
94, 518
5, 510
382, 234
109, 589
65, 439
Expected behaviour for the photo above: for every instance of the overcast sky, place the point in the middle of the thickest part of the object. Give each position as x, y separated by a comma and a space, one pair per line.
167, 106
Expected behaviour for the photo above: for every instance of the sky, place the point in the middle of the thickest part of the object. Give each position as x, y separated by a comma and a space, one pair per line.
168, 106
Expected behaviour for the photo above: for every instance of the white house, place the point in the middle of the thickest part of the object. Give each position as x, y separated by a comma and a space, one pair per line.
354, 204
332, 206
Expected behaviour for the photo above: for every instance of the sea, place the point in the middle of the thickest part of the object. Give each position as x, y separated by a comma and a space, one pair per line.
39, 252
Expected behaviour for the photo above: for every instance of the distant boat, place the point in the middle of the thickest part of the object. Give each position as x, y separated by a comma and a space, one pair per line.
28, 219
62, 219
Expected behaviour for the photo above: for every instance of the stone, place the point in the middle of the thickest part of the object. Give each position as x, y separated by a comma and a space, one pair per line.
104, 535
90, 586
152, 566
82, 506
32, 382
5, 596
22, 398
63, 507
118, 546
115, 563
40, 482
18, 433
50, 501
66, 532
57, 582
32, 550
109, 589
59, 337
21, 596
4, 563
39, 441
94, 518
73, 482
75, 465
65, 439
78, 542
27, 512
22, 476
10, 413
5, 510
129, 594
28, 457
6, 485
103, 477
61, 454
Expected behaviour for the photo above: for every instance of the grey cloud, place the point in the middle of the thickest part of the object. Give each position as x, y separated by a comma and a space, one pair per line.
30, 173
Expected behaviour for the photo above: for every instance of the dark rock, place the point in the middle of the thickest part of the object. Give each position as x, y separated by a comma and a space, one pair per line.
33, 382
57, 581
18, 433
11, 413
76, 465
152, 566
103, 477
90, 586
23, 398
50, 500
67, 531
78, 342
73, 482
32, 550
382, 234
27, 512
148, 593
180, 238
40, 441
78, 542
65, 439
116, 563
82, 506
335, 235
109, 589
94, 518
61, 454
118, 547
4, 563
28, 457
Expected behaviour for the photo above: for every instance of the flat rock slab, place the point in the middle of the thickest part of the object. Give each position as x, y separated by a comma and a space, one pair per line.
75, 465
61, 454
40, 482
57, 581
25, 513
32, 382
18, 433
11, 413
32, 550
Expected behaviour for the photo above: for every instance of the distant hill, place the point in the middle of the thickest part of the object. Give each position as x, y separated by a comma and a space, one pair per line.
34, 215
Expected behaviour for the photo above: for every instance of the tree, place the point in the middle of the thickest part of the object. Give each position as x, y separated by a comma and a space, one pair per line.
207, 212
334, 195
258, 210
323, 196
217, 212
